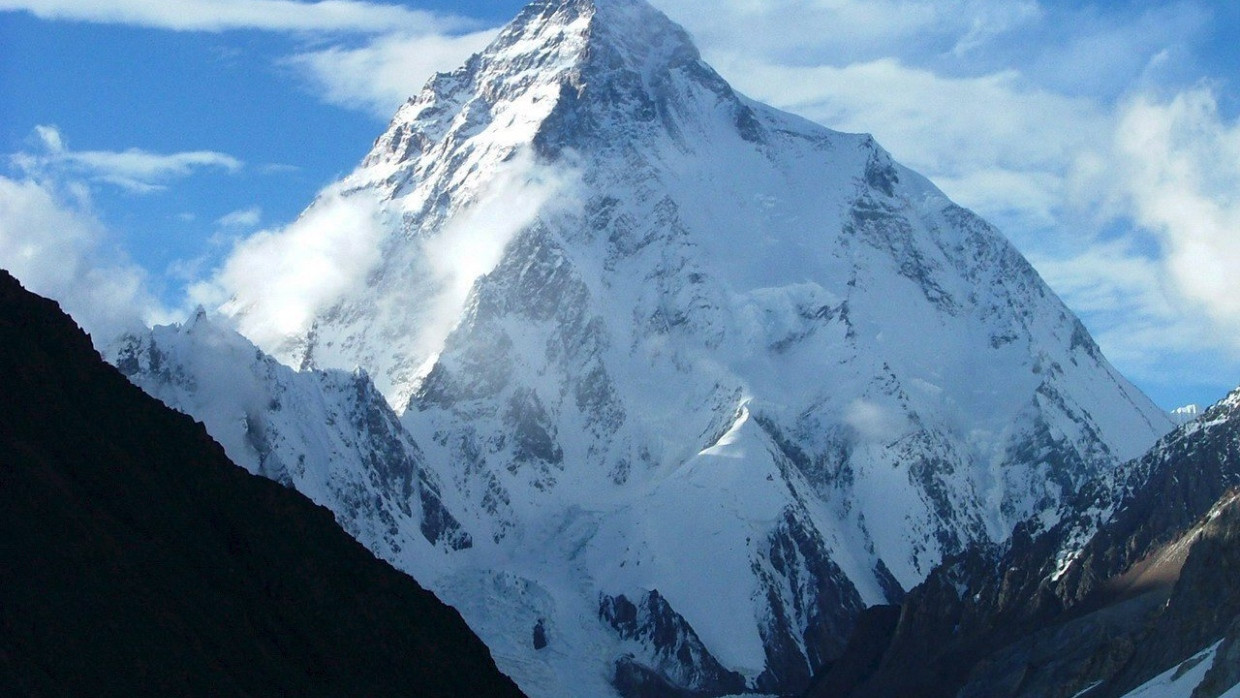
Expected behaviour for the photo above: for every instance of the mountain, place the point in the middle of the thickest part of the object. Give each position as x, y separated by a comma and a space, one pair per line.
1185, 414
1148, 599
137, 560
328, 434
699, 379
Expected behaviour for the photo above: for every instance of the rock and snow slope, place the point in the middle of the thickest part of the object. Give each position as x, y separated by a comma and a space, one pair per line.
696, 378
1148, 582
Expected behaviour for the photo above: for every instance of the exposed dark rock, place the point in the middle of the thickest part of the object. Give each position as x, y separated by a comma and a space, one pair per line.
813, 606
674, 662
861, 658
540, 634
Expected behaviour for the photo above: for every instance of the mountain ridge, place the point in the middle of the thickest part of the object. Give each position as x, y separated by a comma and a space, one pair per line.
1146, 589
138, 560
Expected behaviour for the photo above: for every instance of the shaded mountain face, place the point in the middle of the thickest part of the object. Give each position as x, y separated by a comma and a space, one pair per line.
137, 560
1116, 594
655, 346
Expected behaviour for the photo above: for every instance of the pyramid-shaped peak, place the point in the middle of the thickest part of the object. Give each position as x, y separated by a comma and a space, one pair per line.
563, 73
608, 32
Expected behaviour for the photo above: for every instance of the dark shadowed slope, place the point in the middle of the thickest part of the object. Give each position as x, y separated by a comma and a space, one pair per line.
135, 559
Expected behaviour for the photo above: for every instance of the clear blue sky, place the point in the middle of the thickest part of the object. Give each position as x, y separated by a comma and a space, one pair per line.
1026, 111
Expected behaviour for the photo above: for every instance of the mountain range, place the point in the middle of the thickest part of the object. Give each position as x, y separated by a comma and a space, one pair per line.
661, 388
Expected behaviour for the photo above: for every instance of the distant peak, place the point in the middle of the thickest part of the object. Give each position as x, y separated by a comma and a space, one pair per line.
197, 318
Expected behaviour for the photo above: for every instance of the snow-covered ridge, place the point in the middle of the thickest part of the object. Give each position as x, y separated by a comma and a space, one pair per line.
1186, 414
329, 434
658, 343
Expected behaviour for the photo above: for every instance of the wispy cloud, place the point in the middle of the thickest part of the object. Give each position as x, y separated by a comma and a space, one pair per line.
242, 218
135, 170
387, 70
839, 32
275, 281
1179, 167
221, 15
54, 245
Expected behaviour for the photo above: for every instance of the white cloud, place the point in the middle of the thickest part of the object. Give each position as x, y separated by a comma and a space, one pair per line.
409, 46
380, 75
1141, 321
242, 218
873, 422
135, 170
276, 281
221, 15
995, 143
56, 248
474, 242
938, 124
1179, 166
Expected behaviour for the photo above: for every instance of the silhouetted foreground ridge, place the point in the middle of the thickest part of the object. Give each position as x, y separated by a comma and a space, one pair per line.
135, 559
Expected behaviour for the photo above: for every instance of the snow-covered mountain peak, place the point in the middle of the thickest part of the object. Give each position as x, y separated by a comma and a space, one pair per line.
572, 74
663, 345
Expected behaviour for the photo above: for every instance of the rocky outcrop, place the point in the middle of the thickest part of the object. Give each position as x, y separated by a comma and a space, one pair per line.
669, 658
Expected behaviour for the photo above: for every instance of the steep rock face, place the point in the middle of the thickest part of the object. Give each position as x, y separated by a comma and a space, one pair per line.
1130, 583
137, 560
651, 335
683, 665
329, 434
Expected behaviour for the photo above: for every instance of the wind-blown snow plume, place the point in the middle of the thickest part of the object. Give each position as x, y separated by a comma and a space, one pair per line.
276, 281
474, 241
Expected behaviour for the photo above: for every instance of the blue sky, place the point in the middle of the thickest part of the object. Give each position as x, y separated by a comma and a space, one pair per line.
142, 140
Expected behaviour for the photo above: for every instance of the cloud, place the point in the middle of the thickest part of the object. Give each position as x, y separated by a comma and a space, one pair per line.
918, 115
808, 32
380, 75
276, 281
473, 243
1142, 322
135, 170
243, 218
1010, 154
873, 422
1179, 172
56, 248
407, 47
221, 15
